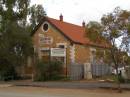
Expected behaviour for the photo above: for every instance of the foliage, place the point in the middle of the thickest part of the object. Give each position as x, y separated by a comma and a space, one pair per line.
121, 79
104, 55
36, 13
48, 71
114, 27
7, 71
15, 40
93, 30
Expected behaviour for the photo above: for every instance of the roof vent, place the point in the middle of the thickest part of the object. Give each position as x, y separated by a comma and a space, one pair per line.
61, 17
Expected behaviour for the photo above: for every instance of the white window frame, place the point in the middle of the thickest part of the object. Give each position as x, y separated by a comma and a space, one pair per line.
65, 47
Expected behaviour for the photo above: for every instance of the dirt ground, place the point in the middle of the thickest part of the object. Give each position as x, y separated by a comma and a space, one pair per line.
13, 91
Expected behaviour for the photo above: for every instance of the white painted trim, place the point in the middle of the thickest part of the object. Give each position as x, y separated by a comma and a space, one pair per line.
58, 52
92, 49
72, 54
44, 48
43, 25
91, 54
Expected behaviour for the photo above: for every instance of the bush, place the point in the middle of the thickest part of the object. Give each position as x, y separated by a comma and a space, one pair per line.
7, 72
120, 79
48, 71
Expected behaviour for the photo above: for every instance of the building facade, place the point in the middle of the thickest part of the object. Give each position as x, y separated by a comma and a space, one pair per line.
59, 40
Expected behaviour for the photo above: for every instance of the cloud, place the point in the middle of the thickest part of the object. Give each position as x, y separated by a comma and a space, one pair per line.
76, 11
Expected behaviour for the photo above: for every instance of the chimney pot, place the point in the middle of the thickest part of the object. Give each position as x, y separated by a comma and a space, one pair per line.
61, 17
83, 24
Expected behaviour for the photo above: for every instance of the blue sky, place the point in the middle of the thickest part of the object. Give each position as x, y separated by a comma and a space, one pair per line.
75, 11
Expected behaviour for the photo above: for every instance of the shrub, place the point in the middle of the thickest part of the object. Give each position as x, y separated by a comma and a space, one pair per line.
48, 71
120, 79
7, 72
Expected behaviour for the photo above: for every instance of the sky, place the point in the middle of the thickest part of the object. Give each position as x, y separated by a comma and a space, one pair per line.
77, 11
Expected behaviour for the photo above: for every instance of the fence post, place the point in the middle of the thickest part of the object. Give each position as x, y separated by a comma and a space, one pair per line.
87, 71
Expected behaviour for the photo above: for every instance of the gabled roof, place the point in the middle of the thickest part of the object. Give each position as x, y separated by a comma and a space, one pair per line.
74, 33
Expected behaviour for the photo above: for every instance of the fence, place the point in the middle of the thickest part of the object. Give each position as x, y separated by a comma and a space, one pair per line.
76, 71
128, 72
100, 70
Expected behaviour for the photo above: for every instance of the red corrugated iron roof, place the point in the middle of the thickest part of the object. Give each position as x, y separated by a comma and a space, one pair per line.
74, 32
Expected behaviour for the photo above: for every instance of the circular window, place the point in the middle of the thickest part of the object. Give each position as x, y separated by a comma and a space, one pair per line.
45, 27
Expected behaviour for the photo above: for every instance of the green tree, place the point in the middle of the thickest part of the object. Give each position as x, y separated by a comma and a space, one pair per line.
15, 41
113, 27
93, 31
36, 13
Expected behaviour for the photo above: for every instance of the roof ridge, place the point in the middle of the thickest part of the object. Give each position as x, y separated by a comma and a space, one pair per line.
65, 22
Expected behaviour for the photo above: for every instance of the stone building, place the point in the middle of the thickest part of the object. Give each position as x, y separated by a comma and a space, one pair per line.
60, 40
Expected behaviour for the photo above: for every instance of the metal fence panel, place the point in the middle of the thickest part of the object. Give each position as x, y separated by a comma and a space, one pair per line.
128, 72
76, 71
100, 69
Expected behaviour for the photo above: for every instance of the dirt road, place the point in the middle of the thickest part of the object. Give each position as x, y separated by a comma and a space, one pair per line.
12, 91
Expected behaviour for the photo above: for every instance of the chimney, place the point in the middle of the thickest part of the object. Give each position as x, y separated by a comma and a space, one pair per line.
61, 17
83, 24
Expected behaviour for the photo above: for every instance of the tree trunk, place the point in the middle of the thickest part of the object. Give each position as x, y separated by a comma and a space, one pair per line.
116, 67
